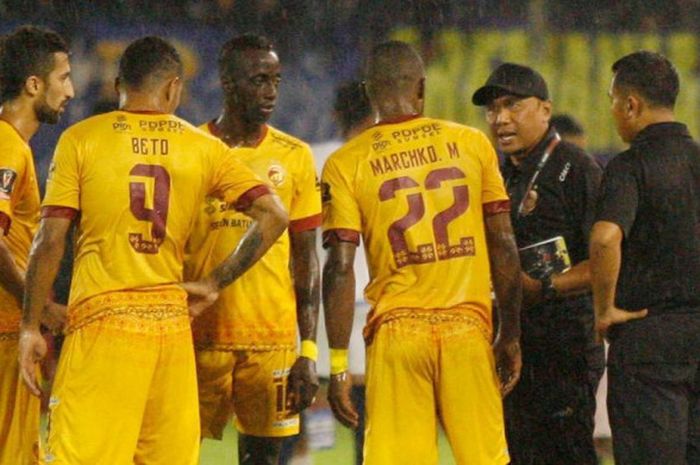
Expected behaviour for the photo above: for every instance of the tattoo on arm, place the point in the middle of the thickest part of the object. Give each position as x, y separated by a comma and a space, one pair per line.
307, 281
269, 221
242, 258
505, 273
339, 294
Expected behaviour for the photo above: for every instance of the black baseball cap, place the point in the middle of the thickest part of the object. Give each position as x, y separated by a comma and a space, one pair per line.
511, 79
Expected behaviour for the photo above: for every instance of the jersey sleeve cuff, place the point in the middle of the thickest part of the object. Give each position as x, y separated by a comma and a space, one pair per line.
54, 211
248, 197
494, 208
333, 236
5, 222
304, 224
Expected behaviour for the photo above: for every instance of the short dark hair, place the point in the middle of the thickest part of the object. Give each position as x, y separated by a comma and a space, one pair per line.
650, 74
351, 105
231, 50
28, 51
148, 59
566, 125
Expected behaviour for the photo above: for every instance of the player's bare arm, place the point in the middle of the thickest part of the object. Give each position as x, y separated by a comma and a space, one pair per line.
305, 269
269, 221
605, 253
10, 277
339, 311
44, 261
506, 277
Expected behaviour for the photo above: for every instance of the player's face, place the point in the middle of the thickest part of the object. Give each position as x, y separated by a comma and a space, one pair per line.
518, 124
58, 89
254, 94
619, 107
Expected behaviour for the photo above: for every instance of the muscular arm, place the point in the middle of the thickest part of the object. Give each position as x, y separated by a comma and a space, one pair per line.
507, 283
269, 222
339, 309
10, 277
306, 273
339, 293
303, 381
606, 242
44, 261
505, 273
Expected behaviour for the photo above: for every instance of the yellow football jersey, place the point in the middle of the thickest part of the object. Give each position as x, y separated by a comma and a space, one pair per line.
137, 179
259, 309
19, 212
417, 191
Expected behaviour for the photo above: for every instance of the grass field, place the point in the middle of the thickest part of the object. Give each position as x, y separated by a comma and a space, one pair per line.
225, 452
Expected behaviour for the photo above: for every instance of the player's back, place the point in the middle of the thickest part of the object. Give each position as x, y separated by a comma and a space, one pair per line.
416, 190
136, 179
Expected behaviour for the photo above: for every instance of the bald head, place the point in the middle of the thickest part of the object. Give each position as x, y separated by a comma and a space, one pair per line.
394, 69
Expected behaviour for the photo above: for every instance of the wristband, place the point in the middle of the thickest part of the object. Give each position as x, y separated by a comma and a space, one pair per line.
339, 361
309, 349
549, 292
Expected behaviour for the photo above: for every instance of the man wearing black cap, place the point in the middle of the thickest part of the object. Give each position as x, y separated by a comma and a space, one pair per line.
552, 185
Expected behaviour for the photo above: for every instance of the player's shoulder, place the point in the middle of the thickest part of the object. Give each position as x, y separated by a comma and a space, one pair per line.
11, 140
280, 139
463, 129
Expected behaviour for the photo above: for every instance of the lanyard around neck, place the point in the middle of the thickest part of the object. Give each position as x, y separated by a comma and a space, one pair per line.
543, 161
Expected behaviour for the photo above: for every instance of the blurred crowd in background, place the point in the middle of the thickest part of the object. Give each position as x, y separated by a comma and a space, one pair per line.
322, 44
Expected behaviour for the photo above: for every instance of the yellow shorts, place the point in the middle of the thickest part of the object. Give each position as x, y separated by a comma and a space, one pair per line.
125, 392
421, 371
19, 410
250, 384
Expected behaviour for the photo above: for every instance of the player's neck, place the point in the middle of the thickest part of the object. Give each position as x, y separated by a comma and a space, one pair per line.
238, 133
143, 102
21, 116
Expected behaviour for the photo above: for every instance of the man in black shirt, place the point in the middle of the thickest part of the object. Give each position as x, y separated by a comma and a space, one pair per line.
552, 185
645, 263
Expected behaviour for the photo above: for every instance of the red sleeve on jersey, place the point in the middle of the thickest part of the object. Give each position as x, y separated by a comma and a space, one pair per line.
499, 206
333, 236
304, 224
248, 197
59, 212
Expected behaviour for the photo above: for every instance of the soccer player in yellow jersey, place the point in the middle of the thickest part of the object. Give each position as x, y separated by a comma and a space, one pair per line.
246, 343
35, 86
125, 389
429, 202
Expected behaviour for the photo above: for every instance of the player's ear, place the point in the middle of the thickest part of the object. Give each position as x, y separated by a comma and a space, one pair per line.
421, 88
173, 92
33, 85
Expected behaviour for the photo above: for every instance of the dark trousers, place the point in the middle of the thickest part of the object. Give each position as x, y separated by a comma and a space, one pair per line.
654, 411
549, 414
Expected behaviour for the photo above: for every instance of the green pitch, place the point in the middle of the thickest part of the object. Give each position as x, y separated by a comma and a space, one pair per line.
225, 452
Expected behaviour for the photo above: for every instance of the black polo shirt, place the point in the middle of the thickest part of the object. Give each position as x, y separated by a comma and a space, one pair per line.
566, 194
652, 191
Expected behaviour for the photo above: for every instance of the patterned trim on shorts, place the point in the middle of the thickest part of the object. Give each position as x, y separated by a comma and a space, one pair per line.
218, 347
150, 305
433, 316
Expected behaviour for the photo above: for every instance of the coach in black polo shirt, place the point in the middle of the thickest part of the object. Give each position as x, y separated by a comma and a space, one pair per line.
552, 185
645, 262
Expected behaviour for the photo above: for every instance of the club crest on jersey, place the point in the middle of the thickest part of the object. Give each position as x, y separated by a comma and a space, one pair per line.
7, 182
276, 175
530, 201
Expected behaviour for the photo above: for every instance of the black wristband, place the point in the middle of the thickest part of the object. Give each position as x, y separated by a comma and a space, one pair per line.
548, 291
